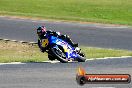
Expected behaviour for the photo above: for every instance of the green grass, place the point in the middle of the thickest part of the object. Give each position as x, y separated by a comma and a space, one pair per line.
94, 52
104, 11
18, 52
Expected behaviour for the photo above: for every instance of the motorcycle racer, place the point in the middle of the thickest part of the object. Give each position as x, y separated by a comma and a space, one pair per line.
42, 33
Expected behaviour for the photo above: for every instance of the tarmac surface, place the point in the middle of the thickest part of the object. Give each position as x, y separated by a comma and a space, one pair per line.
96, 35
60, 75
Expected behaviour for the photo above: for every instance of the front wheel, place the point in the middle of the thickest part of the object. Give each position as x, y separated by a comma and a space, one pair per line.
58, 52
81, 57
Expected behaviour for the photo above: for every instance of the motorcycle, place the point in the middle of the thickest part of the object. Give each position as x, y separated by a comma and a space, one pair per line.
61, 50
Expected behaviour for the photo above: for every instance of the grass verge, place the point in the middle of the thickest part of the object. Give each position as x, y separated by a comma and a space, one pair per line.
18, 52
104, 11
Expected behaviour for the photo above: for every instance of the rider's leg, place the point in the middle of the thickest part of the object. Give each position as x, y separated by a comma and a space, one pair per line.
67, 38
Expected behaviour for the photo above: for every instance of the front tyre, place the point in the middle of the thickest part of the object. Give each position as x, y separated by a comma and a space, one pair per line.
58, 52
81, 58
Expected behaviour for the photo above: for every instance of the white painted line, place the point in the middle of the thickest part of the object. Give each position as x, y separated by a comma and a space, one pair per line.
33, 42
58, 62
11, 63
14, 40
23, 42
6, 39
90, 59
102, 87
109, 58
52, 62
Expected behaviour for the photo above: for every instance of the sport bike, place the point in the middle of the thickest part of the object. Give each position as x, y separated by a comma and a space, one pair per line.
61, 50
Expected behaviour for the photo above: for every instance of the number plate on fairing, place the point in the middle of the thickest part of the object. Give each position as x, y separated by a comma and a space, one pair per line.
45, 42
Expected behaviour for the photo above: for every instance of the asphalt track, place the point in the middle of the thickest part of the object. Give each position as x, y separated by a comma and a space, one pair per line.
59, 75
96, 35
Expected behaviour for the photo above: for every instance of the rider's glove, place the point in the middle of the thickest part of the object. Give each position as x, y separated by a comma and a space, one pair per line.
58, 33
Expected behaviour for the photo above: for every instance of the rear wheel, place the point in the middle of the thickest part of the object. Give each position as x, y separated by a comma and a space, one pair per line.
59, 53
51, 57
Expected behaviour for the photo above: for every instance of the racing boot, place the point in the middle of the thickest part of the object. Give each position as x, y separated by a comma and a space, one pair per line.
71, 42
67, 38
75, 45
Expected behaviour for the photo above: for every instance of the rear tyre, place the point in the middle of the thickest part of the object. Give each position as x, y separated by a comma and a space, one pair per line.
58, 52
51, 57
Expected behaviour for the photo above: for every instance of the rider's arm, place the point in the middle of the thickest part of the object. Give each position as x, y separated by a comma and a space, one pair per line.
54, 33
41, 48
39, 44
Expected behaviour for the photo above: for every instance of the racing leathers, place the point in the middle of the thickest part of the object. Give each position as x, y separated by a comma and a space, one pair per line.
56, 34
